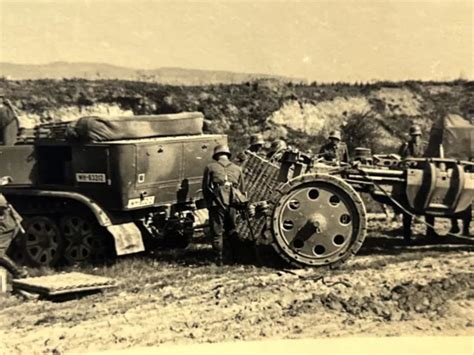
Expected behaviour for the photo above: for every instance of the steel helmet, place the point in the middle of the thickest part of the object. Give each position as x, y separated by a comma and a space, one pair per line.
277, 145
415, 130
256, 139
221, 149
335, 134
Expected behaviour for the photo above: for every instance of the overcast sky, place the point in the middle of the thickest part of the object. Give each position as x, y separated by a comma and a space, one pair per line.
316, 40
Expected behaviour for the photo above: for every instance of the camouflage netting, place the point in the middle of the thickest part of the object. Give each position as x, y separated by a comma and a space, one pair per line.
261, 181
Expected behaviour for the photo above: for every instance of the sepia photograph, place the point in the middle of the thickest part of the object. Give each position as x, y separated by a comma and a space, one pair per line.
236, 176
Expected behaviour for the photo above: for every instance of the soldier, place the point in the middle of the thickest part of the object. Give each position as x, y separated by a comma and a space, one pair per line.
277, 149
9, 124
415, 147
335, 150
256, 144
222, 180
9, 227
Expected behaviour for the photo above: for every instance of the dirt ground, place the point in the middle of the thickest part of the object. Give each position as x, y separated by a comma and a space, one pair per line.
388, 289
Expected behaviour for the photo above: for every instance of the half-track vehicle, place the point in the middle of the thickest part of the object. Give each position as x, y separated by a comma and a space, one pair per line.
77, 184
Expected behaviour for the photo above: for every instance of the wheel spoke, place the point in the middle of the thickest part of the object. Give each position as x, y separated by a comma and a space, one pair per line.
42, 241
43, 257
83, 239
32, 244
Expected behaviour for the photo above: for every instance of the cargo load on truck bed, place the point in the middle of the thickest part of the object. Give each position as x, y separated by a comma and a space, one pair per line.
103, 129
98, 129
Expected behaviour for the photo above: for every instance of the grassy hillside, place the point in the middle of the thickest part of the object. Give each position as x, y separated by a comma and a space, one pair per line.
102, 71
375, 115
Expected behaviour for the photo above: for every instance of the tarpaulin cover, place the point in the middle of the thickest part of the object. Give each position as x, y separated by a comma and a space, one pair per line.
455, 134
98, 129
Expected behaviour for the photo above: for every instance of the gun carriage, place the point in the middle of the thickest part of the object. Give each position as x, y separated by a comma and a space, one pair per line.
315, 215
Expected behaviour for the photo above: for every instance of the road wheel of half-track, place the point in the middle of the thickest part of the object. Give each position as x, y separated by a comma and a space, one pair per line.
84, 240
41, 244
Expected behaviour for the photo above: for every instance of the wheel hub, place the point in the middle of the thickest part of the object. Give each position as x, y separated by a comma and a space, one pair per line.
316, 221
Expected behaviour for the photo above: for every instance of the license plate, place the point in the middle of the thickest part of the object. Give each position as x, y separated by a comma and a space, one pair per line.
141, 202
91, 177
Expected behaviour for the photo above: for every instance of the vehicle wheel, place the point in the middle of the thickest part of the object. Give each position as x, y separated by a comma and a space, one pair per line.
317, 220
84, 241
42, 244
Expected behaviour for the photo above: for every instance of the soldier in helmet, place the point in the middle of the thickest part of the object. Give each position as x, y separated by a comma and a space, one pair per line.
9, 227
335, 150
256, 143
277, 149
220, 180
256, 146
415, 147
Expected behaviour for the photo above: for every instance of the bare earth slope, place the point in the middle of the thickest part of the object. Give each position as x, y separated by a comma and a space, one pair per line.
375, 115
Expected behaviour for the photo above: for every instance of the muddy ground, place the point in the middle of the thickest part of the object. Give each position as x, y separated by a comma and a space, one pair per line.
388, 289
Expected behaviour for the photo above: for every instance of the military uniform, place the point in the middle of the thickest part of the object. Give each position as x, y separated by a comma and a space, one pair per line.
332, 152
412, 150
8, 123
277, 149
256, 146
9, 227
218, 180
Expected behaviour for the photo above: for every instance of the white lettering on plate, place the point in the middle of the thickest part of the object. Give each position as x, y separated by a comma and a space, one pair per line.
91, 177
138, 202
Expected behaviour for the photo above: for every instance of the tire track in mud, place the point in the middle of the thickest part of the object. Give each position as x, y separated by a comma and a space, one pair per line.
419, 291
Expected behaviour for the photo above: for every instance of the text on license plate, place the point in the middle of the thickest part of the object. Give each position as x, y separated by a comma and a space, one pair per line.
140, 202
91, 177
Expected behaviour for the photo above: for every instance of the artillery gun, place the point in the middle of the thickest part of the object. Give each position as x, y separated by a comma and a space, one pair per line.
316, 216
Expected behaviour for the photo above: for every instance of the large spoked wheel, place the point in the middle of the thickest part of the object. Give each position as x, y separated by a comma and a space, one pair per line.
41, 245
318, 220
84, 241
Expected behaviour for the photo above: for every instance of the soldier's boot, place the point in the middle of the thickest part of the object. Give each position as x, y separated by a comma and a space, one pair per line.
218, 249
16, 271
219, 259
466, 232
407, 228
454, 226
233, 251
430, 232
466, 227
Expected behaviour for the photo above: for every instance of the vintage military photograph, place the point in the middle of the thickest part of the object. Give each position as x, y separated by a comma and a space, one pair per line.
231, 176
